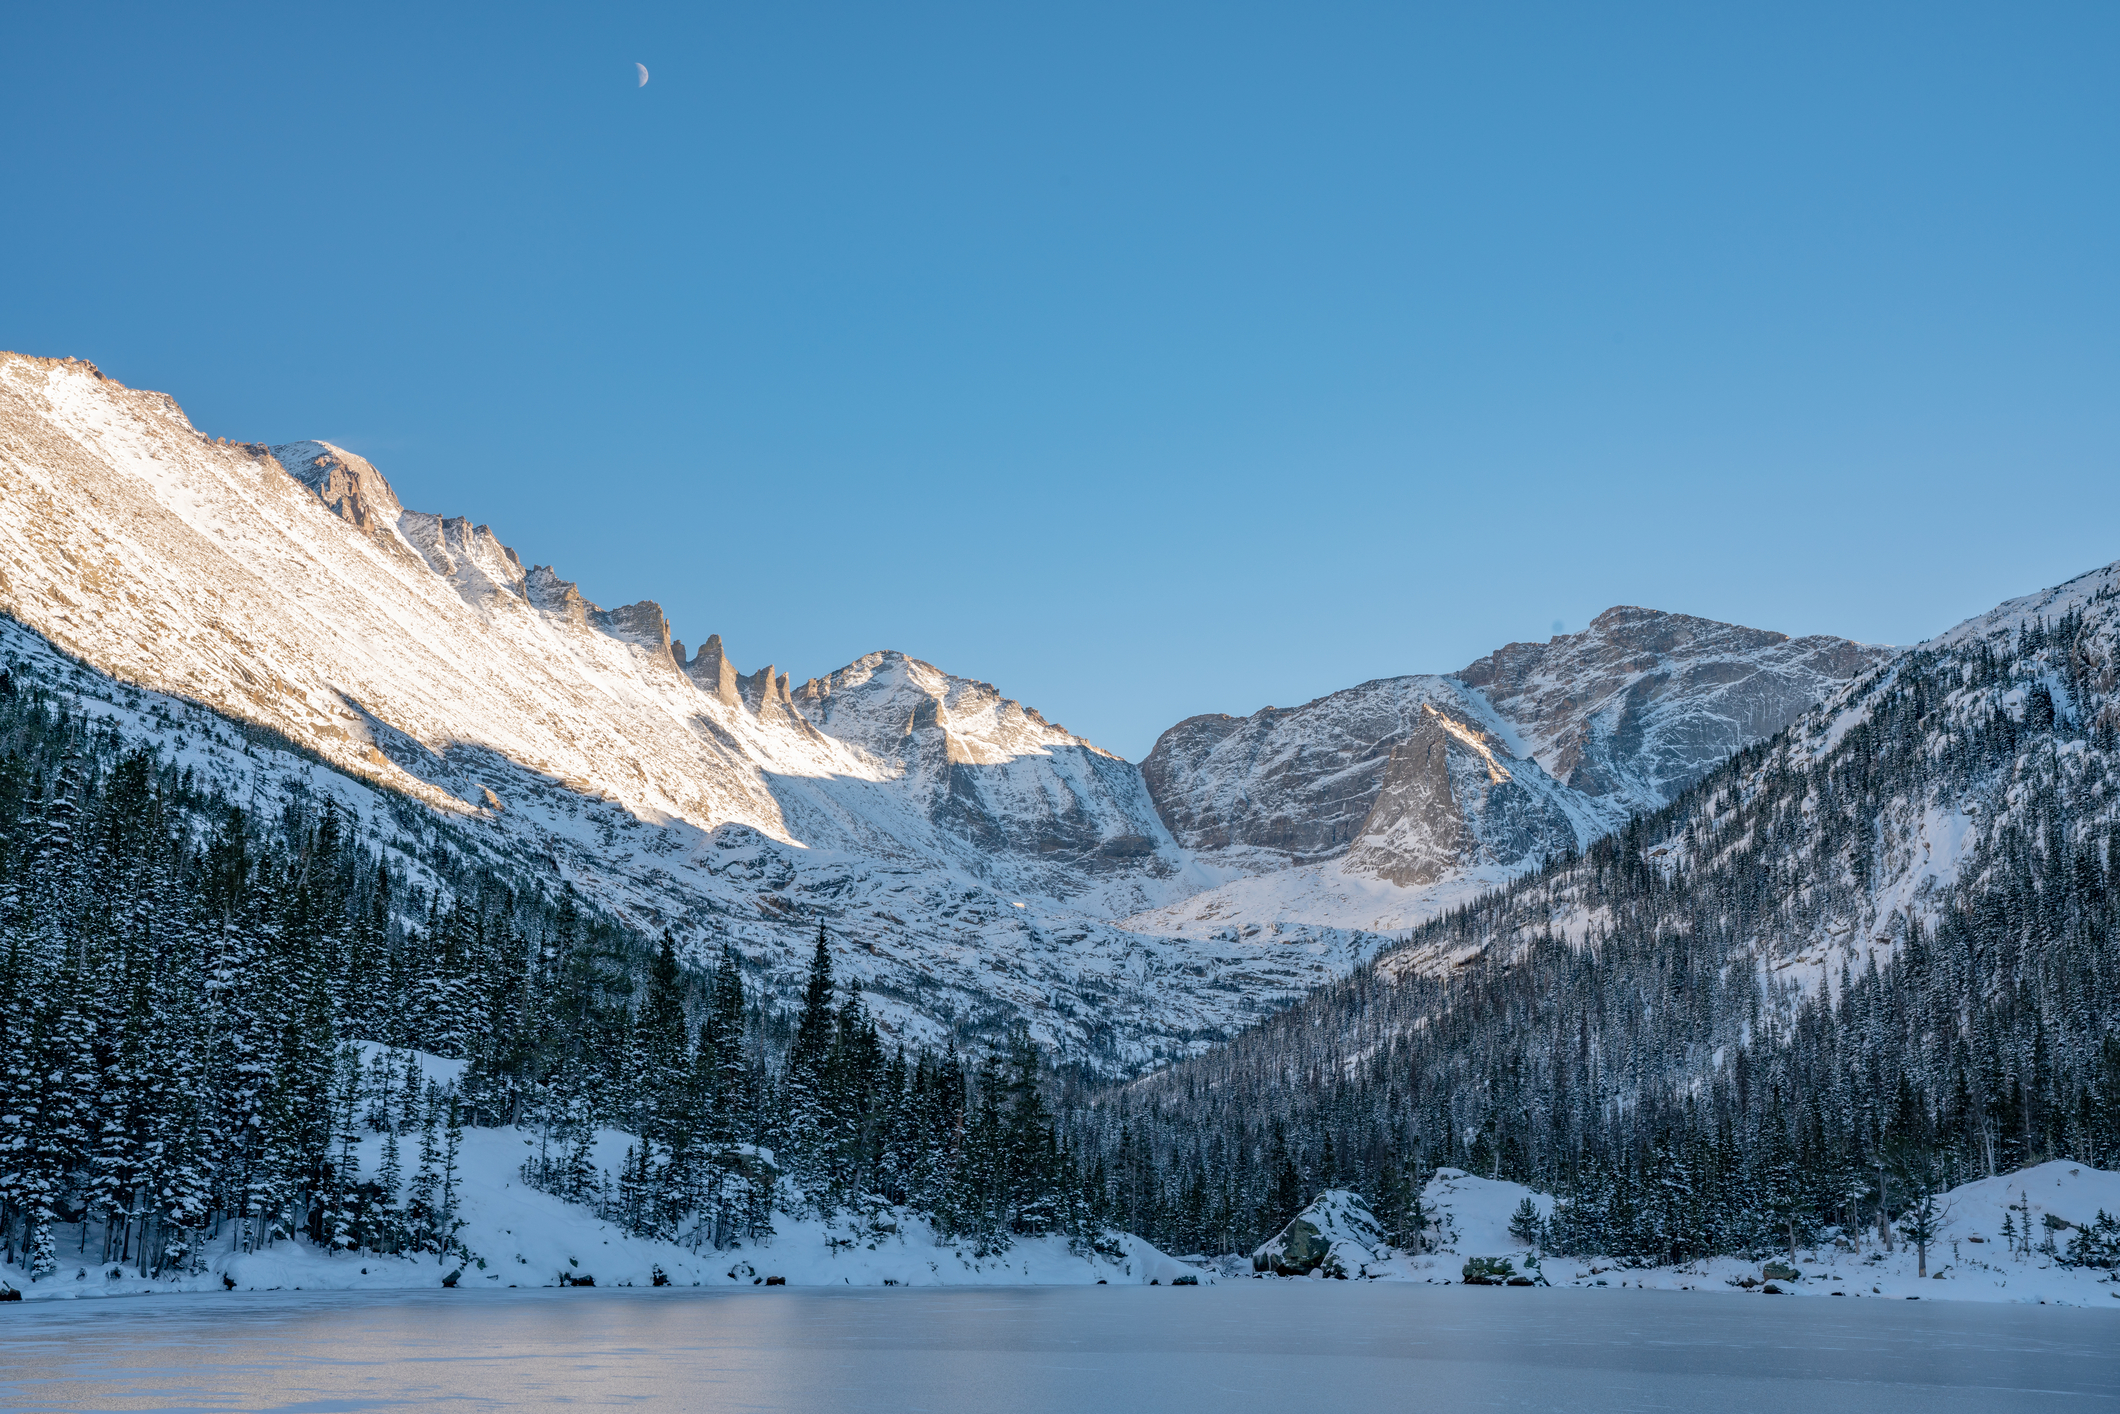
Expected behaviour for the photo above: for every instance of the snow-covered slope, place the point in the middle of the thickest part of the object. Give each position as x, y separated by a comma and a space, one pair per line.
514, 1235
1930, 772
964, 851
1381, 806
969, 855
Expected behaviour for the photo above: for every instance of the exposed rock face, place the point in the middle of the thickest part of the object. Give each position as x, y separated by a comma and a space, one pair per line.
713, 671
641, 623
763, 689
1535, 747
561, 598
1287, 785
354, 490
1642, 703
990, 770
467, 555
1449, 800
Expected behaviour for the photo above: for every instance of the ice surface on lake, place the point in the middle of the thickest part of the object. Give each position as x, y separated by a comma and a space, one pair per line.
1238, 1347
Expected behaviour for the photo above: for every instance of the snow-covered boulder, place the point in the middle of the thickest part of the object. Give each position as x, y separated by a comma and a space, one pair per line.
2053, 1199
1336, 1236
1470, 1216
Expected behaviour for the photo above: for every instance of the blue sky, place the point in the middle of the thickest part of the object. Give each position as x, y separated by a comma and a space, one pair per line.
1142, 359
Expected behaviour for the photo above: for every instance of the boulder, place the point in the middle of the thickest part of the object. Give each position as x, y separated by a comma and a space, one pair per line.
1491, 1271
1336, 1236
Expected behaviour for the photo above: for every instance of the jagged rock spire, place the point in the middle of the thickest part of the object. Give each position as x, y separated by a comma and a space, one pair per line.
713, 671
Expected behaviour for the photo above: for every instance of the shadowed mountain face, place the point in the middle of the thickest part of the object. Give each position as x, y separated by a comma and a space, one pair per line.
1643, 703
1450, 800
1536, 745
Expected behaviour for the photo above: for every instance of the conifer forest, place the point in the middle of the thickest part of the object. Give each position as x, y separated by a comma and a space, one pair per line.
204, 1004
1601, 1031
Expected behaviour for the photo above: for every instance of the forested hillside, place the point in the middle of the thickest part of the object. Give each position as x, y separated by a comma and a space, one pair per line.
182, 976
1867, 960
1875, 956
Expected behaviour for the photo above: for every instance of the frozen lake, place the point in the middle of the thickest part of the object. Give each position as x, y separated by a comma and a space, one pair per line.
1241, 1346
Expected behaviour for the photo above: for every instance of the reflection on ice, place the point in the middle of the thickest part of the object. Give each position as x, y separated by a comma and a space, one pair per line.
1242, 1346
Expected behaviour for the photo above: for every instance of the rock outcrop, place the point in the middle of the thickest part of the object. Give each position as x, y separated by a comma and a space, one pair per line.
1336, 1236
353, 489
1532, 748
1450, 800
713, 672
1643, 703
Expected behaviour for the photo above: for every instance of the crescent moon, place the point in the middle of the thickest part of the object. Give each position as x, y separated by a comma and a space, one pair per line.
643, 75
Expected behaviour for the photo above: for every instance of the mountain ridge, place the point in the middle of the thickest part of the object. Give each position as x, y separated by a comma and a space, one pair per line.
1543, 746
423, 657
290, 586
1870, 958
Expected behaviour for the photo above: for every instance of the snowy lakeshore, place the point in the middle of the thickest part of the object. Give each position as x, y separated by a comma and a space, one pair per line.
2006, 1239
516, 1237
1970, 1259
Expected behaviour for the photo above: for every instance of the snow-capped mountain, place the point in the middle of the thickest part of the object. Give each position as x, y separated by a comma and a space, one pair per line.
1949, 780
1381, 805
971, 856
1887, 939
965, 851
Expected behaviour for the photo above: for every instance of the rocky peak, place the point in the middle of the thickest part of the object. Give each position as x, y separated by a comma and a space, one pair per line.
352, 488
1643, 703
642, 623
561, 598
764, 690
990, 771
469, 556
713, 672
881, 699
